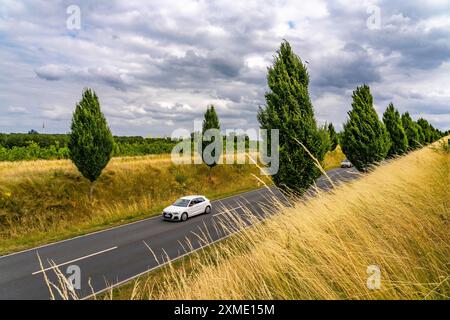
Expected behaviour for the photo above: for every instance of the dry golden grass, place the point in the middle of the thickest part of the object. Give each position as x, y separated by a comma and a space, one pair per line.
19, 170
45, 201
396, 217
333, 159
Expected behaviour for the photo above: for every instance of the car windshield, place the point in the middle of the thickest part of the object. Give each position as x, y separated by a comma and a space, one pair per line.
181, 203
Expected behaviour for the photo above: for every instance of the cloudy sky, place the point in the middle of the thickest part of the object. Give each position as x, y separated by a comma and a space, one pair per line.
157, 64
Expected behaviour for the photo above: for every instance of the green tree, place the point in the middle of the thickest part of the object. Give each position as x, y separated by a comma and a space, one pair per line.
393, 122
334, 140
422, 139
289, 109
365, 140
411, 130
324, 136
427, 131
437, 134
91, 142
211, 121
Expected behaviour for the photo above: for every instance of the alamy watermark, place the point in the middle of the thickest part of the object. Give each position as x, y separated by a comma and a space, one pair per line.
373, 22
73, 21
74, 277
264, 142
374, 277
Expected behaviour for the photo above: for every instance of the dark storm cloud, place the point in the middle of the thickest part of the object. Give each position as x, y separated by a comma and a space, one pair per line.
419, 48
352, 66
107, 75
435, 107
192, 68
406, 28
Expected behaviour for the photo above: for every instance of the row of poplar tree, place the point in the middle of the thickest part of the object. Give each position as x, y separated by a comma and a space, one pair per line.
365, 139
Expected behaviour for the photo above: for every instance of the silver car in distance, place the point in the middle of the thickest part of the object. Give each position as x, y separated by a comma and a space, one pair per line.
187, 207
346, 164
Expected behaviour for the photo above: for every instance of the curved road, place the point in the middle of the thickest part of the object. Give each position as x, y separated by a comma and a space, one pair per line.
117, 255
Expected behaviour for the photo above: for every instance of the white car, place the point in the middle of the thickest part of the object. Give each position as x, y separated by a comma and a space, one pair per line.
187, 207
346, 164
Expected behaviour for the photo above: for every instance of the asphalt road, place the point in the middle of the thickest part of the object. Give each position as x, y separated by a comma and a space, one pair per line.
117, 255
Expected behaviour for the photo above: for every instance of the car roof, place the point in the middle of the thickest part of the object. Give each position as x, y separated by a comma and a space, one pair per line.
192, 197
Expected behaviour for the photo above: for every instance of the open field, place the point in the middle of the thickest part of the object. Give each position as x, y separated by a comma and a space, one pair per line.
396, 217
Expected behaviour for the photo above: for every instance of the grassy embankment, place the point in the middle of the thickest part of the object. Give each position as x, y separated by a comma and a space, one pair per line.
46, 200
396, 217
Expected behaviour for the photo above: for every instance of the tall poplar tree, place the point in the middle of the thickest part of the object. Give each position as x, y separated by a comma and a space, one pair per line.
365, 140
91, 142
411, 130
394, 126
289, 109
427, 131
211, 121
334, 140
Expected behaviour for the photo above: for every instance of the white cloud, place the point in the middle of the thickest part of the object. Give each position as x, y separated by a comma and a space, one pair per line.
17, 110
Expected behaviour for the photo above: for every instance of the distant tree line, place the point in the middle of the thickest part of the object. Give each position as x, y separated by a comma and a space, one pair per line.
23, 146
10, 140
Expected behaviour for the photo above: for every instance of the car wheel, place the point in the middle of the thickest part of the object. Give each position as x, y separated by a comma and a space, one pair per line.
184, 217
208, 210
